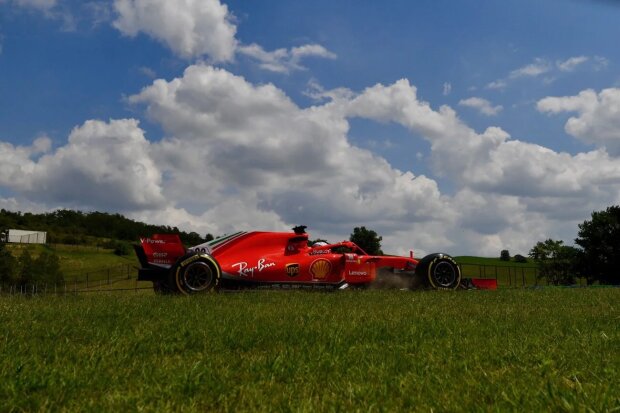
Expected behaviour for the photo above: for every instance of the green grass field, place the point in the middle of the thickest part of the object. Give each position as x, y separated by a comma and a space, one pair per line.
84, 267
77, 259
549, 349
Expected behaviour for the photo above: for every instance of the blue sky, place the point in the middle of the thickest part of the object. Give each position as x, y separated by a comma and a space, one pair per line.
469, 126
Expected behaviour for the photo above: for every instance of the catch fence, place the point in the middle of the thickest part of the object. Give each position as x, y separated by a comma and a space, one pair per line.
509, 276
124, 278
121, 277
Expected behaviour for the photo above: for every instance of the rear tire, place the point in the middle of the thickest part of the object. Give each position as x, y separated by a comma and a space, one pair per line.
195, 273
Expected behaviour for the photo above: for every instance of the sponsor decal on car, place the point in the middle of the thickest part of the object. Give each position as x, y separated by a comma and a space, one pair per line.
292, 270
319, 252
244, 270
201, 250
151, 241
320, 268
352, 258
360, 273
190, 259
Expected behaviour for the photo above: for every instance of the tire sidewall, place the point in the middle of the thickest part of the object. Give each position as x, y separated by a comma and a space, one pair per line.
177, 272
432, 265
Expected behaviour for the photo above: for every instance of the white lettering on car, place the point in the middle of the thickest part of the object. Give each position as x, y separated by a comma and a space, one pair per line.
319, 252
244, 271
360, 273
151, 241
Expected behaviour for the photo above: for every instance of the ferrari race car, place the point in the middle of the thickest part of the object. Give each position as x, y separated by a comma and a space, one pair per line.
281, 259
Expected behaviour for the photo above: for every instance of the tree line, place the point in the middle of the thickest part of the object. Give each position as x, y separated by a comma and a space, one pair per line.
596, 256
79, 228
26, 270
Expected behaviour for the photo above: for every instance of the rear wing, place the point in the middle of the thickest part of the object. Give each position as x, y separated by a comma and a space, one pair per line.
160, 250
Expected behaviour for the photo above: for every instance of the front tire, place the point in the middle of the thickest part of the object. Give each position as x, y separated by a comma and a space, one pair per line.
440, 271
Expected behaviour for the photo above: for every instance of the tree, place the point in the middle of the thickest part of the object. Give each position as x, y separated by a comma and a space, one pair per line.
47, 269
600, 240
504, 255
367, 239
121, 248
8, 263
27, 271
193, 238
520, 258
556, 261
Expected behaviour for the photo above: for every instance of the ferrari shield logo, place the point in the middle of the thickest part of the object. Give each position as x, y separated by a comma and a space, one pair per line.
292, 270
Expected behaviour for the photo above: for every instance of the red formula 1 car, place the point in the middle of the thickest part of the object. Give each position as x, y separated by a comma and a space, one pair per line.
281, 259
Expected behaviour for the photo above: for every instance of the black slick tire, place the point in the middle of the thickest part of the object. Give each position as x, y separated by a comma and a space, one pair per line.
439, 271
195, 273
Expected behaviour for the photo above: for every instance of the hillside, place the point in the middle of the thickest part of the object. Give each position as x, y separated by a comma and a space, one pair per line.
89, 228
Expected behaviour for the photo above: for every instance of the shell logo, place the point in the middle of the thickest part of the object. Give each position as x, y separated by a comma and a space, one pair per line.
320, 268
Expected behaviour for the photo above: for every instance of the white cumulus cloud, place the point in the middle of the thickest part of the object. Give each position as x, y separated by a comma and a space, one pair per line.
190, 28
238, 155
571, 64
285, 60
597, 120
229, 139
193, 29
484, 106
536, 68
542, 66
540, 183
103, 165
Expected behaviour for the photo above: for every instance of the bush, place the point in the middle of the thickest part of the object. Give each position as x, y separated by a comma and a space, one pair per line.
520, 258
121, 248
556, 261
47, 269
504, 255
